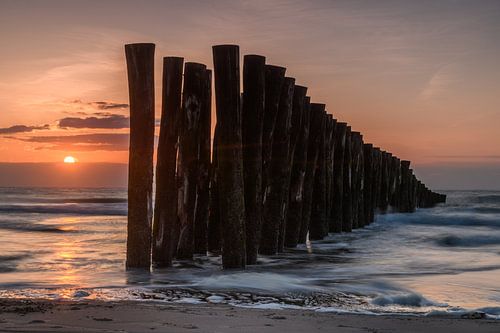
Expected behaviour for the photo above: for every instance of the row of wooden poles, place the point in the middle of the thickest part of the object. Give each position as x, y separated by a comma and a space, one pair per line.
280, 170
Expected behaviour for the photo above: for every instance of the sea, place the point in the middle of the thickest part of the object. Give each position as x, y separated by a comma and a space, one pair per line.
69, 243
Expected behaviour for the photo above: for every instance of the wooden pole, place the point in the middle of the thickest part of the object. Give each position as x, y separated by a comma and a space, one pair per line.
203, 190
338, 176
214, 222
317, 123
229, 153
355, 177
358, 180
382, 203
274, 213
405, 187
140, 69
275, 76
254, 75
299, 93
368, 183
189, 146
165, 213
318, 225
396, 169
347, 190
377, 179
294, 217
330, 176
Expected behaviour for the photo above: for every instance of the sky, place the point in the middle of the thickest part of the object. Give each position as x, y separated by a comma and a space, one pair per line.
420, 79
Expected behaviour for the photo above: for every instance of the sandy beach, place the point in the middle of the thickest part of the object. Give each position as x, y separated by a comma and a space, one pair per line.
95, 316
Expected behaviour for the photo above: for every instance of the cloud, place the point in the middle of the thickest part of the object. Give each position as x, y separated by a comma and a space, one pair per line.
109, 105
102, 105
82, 142
440, 82
22, 129
107, 120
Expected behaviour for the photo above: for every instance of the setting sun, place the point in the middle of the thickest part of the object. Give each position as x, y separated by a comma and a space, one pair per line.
70, 159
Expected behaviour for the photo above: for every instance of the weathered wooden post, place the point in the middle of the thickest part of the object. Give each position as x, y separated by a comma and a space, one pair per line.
294, 217
203, 191
277, 193
413, 186
382, 203
229, 154
347, 190
317, 123
299, 93
188, 163
396, 169
275, 76
358, 180
355, 177
368, 183
338, 176
330, 175
377, 178
405, 187
140, 70
318, 223
165, 213
214, 222
254, 76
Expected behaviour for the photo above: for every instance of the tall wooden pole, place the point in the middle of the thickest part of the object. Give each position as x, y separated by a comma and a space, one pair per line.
330, 176
368, 183
203, 190
358, 180
299, 93
275, 76
338, 176
229, 153
405, 187
317, 123
318, 225
347, 186
214, 222
165, 213
274, 213
188, 164
355, 177
254, 76
294, 217
384, 190
140, 69
377, 178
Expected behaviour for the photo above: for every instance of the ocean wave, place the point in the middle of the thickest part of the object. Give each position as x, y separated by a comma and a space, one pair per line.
410, 299
489, 198
468, 241
70, 209
449, 219
33, 227
83, 200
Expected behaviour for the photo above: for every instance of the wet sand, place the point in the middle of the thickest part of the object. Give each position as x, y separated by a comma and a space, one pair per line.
95, 316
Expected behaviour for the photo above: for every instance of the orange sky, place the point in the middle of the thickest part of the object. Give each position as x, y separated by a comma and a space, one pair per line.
421, 80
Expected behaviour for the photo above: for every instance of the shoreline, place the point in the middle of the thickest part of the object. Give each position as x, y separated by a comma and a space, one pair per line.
18, 315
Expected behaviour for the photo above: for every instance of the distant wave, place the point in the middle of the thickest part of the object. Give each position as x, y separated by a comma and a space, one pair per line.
85, 200
490, 198
460, 219
8, 263
33, 227
62, 209
468, 241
